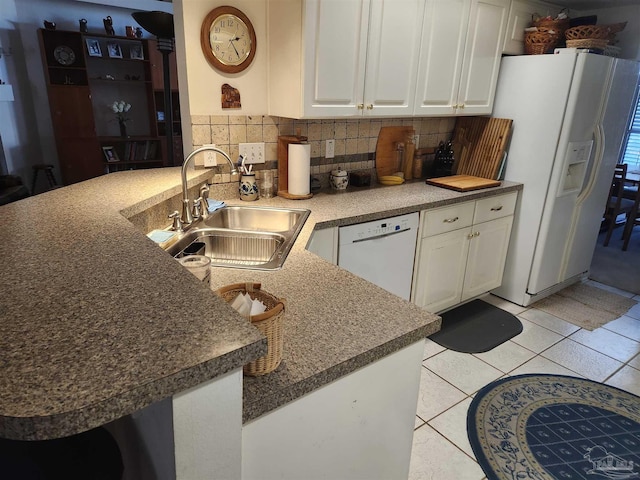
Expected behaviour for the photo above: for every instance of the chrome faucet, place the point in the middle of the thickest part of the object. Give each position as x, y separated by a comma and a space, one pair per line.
187, 216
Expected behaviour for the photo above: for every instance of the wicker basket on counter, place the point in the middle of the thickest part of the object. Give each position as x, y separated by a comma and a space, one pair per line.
269, 323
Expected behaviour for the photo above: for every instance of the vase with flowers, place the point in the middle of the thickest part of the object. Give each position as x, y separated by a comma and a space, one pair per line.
120, 108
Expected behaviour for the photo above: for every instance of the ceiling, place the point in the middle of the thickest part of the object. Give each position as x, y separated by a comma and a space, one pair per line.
577, 4
594, 4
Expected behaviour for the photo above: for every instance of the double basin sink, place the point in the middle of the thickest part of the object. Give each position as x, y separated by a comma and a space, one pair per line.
258, 238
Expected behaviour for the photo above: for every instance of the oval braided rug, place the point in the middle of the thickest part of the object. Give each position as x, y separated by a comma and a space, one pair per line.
555, 427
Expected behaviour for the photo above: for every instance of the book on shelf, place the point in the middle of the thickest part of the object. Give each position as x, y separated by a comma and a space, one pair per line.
139, 151
153, 150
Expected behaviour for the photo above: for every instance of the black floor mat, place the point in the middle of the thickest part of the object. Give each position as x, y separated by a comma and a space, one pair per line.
476, 327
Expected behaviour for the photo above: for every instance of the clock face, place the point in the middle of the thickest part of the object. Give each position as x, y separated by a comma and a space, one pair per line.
230, 40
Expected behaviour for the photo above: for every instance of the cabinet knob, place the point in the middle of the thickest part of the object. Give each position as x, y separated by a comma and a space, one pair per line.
496, 209
370, 107
450, 220
473, 234
461, 106
360, 106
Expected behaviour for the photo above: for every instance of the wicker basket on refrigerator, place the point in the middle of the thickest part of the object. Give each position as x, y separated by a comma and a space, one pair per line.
544, 40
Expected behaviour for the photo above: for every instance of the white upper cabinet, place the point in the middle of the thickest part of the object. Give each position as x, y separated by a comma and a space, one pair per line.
520, 17
335, 54
462, 44
332, 58
395, 28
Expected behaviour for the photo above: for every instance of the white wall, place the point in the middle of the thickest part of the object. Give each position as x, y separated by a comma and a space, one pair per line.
202, 80
629, 38
18, 140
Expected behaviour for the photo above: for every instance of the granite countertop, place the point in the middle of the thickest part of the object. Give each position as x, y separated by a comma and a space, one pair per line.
336, 322
97, 322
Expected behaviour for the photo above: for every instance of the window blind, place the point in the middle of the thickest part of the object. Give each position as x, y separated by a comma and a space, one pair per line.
631, 155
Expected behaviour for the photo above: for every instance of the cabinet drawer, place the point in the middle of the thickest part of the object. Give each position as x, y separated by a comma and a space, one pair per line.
495, 207
447, 219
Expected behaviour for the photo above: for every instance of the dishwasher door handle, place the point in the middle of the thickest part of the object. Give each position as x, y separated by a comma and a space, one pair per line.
381, 236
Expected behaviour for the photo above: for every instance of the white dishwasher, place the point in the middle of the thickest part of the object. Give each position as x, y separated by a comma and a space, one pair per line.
381, 252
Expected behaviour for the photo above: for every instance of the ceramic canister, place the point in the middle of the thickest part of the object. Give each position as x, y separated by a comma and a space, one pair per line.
339, 179
248, 187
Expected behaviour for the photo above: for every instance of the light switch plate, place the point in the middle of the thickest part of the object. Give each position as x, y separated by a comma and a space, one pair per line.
252, 152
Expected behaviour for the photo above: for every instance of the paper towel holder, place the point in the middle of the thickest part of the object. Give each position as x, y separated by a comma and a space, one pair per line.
283, 166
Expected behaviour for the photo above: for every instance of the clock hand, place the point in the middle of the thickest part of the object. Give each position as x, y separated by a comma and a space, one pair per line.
234, 46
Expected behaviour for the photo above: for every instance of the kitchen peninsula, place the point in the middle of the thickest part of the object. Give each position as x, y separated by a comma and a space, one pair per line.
97, 322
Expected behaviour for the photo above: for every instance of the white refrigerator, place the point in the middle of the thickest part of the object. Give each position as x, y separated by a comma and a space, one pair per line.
569, 112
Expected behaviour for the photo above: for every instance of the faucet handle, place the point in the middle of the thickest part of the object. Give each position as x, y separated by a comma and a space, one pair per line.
177, 221
197, 208
204, 191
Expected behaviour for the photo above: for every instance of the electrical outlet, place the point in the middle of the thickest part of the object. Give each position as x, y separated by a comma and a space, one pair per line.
210, 158
330, 149
416, 140
252, 152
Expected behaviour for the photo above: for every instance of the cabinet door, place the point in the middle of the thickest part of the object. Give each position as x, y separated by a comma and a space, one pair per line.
487, 255
335, 52
72, 112
483, 51
520, 17
80, 159
441, 53
441, 269
392, 57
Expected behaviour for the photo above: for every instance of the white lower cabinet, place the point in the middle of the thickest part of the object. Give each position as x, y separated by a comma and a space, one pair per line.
357, 427
462, 252
487, 254
324, 243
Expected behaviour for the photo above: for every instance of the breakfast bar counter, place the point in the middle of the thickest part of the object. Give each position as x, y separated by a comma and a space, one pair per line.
97, 322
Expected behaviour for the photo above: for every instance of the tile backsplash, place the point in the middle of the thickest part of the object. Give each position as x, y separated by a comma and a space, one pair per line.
355, 139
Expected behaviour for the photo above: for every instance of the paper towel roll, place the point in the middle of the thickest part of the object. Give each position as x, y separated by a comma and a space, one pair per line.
299, 168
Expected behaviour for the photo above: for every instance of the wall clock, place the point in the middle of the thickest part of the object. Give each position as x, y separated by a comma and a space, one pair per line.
228, 39
64, 55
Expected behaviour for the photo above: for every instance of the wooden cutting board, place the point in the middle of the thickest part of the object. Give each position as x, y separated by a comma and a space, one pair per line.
386, 153
479, 144
463, 183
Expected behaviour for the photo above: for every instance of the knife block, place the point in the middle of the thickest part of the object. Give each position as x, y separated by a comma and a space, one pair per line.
283, 166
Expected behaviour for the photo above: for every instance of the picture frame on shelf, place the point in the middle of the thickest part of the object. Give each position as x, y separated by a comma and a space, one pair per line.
93, 47
110, 154
136, 52
114, 50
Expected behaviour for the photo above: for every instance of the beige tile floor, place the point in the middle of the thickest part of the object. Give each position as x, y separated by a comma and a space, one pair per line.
547, 344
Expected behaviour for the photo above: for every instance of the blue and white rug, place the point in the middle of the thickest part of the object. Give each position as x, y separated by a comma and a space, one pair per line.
555, 427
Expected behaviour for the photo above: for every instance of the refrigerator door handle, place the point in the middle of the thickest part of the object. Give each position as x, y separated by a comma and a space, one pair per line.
593, 166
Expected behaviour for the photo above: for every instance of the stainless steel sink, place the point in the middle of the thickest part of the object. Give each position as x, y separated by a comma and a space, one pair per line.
257, 238
262, 219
